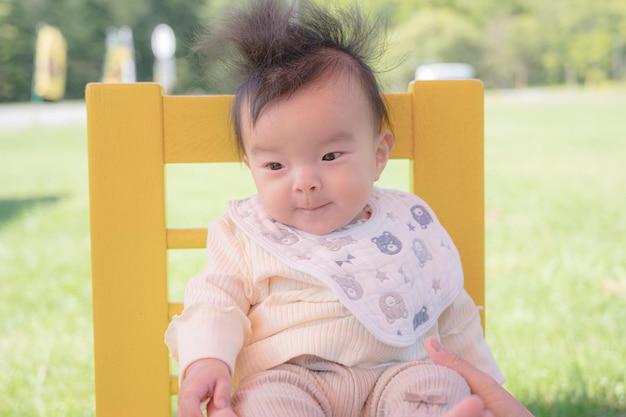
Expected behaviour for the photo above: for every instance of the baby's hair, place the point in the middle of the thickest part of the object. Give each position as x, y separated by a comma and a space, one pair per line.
276, 47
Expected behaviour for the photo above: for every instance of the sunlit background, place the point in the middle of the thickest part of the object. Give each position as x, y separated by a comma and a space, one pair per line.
510, 43
555, 156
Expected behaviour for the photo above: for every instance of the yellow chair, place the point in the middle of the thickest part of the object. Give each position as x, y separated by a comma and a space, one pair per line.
134, 131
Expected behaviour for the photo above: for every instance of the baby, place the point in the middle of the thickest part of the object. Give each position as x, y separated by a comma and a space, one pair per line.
320, 291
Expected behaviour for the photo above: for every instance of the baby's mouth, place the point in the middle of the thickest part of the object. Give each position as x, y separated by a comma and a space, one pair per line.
314, 207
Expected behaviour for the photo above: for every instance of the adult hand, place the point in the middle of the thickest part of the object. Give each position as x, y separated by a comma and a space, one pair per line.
494, 397
205, 379
469, 407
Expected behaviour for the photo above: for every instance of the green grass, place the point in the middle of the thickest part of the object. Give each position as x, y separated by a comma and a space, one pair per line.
556, 270
45, 317
556, 234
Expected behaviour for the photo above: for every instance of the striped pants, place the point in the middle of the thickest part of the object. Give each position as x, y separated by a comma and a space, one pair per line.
311, 387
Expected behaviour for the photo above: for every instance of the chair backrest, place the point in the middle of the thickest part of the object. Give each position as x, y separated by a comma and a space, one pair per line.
134, 131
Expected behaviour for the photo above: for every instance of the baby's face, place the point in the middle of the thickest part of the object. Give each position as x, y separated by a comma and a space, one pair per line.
316, 154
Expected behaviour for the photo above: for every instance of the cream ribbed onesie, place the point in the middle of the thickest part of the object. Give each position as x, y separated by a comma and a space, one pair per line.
365, 296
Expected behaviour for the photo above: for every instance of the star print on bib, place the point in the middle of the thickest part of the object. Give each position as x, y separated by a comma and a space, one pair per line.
396, 272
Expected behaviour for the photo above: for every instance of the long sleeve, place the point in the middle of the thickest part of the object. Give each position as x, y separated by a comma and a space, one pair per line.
461, 331
255, 311
214, 322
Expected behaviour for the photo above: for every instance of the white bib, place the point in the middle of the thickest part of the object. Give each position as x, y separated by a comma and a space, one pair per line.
396, 272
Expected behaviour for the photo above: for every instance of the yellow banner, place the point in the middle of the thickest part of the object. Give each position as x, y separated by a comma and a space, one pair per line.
50, 64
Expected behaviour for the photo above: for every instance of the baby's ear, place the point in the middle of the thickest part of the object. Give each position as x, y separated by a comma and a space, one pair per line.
384, 146
245, 160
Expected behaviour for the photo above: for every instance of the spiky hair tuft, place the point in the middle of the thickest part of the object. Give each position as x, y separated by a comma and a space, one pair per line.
271, 48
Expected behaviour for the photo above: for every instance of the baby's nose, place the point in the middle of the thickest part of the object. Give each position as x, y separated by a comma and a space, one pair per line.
306, 180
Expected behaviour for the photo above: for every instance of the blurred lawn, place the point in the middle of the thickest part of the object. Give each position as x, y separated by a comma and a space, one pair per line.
556, 267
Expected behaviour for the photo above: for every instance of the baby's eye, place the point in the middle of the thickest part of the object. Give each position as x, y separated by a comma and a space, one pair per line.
274, 166
331, 156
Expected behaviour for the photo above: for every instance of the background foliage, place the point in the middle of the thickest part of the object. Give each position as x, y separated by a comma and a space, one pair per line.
511, 43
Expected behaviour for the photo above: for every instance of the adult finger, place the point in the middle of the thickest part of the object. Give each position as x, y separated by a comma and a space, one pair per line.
496, 399
469, 407
479, 382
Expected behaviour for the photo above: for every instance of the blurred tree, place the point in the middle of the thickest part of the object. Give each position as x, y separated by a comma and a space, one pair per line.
590, 54
84, 24
512, 47
497, 65
584, 40
596, 29
184, 17
17, 42
510, 42
142, 16
432, 35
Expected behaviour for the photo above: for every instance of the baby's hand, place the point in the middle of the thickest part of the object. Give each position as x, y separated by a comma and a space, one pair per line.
204, 379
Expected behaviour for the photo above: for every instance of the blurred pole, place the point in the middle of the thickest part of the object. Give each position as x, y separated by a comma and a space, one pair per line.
163, 43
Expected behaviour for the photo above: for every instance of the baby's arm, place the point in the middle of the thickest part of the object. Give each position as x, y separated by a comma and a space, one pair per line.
204, 379
217, 301
461, 331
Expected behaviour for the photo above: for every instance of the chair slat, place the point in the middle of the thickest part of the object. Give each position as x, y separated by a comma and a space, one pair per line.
401, 120
174, 384
198, 129
129, 268
186, 238
175, 309
210, 137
